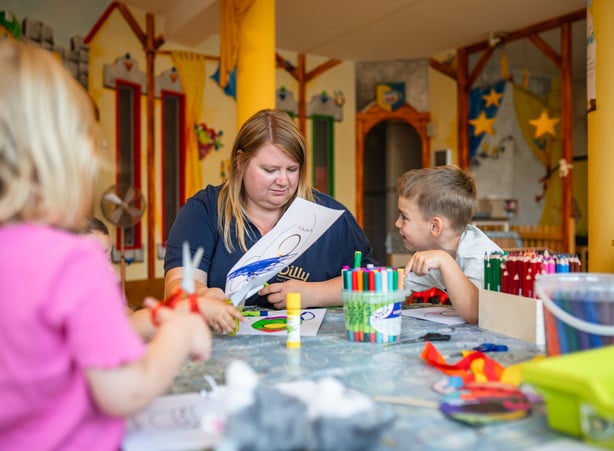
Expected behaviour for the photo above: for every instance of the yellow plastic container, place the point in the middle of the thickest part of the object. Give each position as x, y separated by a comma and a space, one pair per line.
578, 389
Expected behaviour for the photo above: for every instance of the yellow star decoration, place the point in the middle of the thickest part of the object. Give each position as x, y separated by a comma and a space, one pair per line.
492, 98
482, 124
544, 124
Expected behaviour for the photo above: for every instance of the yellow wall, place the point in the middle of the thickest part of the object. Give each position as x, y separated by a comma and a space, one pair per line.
442, 98
115, 39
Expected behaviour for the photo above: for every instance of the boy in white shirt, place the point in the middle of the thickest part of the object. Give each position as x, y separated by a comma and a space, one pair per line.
435, 208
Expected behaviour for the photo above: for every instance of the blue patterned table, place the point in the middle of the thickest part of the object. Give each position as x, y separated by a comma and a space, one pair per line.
382, 369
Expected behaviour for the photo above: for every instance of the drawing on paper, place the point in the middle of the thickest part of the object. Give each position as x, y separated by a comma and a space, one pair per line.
275, 323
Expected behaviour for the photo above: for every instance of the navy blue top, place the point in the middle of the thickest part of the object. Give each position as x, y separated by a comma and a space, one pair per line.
196, 222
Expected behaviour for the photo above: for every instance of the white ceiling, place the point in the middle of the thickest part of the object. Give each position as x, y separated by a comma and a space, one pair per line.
367, 30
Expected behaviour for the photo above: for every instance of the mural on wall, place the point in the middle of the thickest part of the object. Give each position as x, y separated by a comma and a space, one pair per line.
208, 139
75, 57
390, 96
512, 133
321, 104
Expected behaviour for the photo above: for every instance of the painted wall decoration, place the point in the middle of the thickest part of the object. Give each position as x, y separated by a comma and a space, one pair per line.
208, 139
512, 133
284, 100
75, 57
124, 68
168, 80
326, 105
390, 96
9, 25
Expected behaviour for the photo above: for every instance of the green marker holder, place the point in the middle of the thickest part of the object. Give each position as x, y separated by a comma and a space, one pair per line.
373, 317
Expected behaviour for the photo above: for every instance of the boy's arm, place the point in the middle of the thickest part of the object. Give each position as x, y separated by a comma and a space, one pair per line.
462, 292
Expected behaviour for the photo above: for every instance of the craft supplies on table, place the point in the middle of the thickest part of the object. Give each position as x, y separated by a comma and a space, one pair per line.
515, 272
578, 390
373, 317
372, 299
578, 311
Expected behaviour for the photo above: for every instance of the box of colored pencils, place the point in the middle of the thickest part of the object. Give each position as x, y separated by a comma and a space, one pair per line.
372, 299
578, 311
515, 272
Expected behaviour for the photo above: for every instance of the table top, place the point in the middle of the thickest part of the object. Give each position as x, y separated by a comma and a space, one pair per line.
393, 369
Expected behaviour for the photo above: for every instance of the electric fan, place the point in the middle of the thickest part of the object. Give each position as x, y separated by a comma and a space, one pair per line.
123, 206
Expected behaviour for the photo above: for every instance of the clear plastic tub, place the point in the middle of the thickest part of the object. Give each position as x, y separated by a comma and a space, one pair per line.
373, 317
578, 310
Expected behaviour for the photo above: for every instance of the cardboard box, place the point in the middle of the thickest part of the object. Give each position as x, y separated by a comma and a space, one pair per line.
515, 316
578, 389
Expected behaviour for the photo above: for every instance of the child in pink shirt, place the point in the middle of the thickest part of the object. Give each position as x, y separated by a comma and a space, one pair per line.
71, 365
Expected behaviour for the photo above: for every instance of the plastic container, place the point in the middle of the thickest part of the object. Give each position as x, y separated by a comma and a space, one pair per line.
578, 390
578, 310
373, 317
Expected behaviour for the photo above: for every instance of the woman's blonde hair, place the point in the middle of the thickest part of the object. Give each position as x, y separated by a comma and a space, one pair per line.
265, 127
48, 161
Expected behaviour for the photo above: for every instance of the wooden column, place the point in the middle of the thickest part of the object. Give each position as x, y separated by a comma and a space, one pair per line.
300, 74
150, 52
566, 137
463, 107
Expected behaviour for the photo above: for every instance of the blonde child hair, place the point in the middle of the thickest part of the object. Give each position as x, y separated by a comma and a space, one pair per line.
47, 142
73, 365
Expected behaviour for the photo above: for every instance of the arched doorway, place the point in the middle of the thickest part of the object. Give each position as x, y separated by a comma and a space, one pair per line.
388, 144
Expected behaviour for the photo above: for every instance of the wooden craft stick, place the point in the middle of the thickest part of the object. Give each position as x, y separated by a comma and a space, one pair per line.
413, 402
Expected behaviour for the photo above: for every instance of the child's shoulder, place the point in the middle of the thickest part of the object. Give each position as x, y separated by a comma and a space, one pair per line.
475, 239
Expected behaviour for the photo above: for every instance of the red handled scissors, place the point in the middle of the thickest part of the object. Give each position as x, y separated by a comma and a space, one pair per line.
187, 287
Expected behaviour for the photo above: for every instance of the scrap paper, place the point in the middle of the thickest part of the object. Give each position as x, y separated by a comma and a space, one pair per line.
442, 314
273, 322
185, 421
299, 227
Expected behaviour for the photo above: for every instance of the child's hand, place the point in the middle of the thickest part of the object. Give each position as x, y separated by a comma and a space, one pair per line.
221, 315
422, 262
185, 321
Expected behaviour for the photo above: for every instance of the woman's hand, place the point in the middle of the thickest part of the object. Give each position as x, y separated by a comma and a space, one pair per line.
276, 293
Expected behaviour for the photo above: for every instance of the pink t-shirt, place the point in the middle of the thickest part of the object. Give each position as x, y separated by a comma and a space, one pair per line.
61, 311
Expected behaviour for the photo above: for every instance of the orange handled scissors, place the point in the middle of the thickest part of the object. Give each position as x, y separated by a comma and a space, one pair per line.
187, 287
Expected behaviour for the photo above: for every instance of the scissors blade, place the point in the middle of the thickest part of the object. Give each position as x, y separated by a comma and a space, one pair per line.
189, 265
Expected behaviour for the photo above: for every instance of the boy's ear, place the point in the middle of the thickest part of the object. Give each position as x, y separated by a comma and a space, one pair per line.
436, 225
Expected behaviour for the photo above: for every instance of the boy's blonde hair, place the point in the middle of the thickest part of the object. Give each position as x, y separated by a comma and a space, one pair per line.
446, 191
47, 140
265, 127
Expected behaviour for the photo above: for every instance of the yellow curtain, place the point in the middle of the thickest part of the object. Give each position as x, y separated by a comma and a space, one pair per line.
547, 148
191, 69
231, 13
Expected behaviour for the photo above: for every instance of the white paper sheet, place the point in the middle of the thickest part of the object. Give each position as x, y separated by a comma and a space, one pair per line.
274, 323
186, 421
300, 226
444, 315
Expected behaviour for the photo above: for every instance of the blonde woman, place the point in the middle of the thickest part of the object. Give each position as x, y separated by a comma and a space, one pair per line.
268, 171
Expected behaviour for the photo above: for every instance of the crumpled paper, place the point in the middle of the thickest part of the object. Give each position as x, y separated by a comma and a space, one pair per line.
301, 415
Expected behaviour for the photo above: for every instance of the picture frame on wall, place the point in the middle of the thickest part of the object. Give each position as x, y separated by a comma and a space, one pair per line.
442, 157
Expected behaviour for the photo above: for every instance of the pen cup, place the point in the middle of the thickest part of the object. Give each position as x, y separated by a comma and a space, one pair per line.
578, 310
373, 317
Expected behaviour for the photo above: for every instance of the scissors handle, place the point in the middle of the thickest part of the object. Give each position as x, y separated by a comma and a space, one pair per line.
491, 347
172, 301
435, 336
